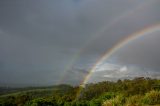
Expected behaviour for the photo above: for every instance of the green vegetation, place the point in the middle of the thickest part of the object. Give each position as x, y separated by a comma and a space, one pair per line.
137, 92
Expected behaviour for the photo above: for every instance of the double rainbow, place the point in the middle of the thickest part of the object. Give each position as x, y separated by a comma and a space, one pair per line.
145, 31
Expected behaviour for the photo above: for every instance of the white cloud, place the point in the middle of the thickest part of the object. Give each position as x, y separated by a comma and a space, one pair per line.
106, 67
123, 69
108, 76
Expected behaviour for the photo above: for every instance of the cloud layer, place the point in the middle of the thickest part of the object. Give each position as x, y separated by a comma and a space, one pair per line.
40, 41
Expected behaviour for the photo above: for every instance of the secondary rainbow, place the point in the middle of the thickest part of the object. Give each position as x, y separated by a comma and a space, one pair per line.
99, 33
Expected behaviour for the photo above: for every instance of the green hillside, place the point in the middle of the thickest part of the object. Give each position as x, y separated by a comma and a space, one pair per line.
137, 92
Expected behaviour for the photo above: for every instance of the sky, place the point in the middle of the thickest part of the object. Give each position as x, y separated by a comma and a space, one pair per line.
58, 41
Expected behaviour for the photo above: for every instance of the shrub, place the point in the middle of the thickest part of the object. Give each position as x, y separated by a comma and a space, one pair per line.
95, 102
152, 98
117, 101
134, 100
108, 95
79, 103
98, 101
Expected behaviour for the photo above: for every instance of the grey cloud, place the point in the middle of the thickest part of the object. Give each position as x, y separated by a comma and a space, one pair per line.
125, 26
40, 39
143, 52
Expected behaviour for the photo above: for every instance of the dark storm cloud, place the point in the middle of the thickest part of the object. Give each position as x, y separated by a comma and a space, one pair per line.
39, 39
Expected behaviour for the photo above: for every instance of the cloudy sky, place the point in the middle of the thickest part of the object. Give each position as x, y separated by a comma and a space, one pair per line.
58, 41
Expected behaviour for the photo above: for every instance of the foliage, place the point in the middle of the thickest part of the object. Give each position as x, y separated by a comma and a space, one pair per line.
134, 100
117, 101
152, 98
137, 92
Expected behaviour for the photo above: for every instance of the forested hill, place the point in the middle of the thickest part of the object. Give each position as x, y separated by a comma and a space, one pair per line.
137, 92
11, 90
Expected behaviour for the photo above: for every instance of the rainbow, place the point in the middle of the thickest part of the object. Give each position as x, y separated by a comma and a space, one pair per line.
122, 43
124, 15
132, 37
99, 33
